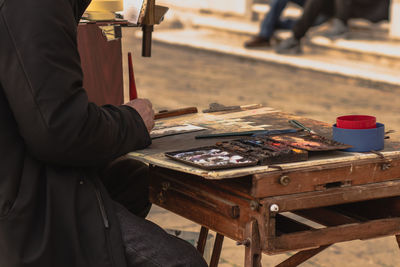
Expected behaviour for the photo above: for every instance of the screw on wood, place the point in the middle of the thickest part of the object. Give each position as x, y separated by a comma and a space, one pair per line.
254, 205
245, 243
165, 186
385, 166
274, 208
284, 180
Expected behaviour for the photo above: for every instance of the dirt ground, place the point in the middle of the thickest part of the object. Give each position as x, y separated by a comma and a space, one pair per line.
177, 77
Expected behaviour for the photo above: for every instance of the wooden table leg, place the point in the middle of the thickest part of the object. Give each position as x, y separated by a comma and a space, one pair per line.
219, 240
398, 240
201, 243
301, 257
253, 245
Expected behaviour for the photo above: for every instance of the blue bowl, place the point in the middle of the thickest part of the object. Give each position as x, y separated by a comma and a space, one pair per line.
362, 140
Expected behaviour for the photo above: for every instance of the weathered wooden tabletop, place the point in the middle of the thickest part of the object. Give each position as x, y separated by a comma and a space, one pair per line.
348, 195
247, 120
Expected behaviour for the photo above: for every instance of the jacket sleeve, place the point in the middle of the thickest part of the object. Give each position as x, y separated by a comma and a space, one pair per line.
41, 74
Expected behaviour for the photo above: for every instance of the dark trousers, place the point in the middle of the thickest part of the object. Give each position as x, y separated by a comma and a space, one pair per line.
146, 244
312, 9
343, 10
127, 183
272, 19
372, 10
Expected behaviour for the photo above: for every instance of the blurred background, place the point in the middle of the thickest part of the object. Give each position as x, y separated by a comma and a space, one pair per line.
214, 51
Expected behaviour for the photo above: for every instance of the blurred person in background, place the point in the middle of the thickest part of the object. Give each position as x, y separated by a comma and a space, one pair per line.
271, 22
341, 11
370, 10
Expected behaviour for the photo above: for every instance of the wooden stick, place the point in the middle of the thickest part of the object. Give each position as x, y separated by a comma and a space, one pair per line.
175, 112
301, 257
201, 243
219, 240
132, 84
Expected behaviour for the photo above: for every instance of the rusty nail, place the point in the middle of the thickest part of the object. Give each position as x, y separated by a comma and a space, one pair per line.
245, 243
254, 205
284, 180
385, 166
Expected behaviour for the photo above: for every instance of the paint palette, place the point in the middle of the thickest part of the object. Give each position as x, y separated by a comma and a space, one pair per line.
212, 158
266, 151
307, 141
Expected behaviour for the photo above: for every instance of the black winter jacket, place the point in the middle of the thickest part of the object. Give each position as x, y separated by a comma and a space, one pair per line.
54, 211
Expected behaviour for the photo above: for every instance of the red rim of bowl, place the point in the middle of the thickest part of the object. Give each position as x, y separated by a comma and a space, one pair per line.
356, 122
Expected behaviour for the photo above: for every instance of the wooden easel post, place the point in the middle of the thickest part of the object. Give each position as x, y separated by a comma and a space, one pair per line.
148, 27
253, 246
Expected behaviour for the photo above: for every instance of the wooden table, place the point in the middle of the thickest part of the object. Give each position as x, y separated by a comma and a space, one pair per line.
305, 206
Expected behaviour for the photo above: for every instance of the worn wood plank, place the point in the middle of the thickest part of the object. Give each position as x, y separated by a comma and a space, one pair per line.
161, 160
226, 215
201, 243
224, 188
373, 209
334, 196
326, 216
219, 240
197, 212
320, 177
288, 225
253, 247
301, 257
257, 119
326, 236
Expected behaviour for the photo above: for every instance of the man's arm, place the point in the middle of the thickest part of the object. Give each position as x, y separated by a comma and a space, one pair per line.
41, 74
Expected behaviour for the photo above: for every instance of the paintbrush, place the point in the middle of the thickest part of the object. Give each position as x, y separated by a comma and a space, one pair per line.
299, 125
132, 84
246, 133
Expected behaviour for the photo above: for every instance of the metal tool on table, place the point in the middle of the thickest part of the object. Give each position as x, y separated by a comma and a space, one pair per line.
216, 107
299, 125
246, 133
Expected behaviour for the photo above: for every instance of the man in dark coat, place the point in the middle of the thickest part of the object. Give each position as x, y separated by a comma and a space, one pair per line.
54, 208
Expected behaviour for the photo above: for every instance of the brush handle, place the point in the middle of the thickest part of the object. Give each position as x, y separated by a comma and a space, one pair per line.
254, 133
132, 84
175, 112
298, 124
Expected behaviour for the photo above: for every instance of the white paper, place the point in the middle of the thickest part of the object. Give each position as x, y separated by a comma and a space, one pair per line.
160, 131
132, 9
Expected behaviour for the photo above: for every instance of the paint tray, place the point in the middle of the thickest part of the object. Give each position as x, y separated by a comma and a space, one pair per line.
308, 141
267, 152
212, 158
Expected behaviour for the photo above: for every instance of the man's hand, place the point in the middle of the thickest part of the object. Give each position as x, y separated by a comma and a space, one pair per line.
145, 109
